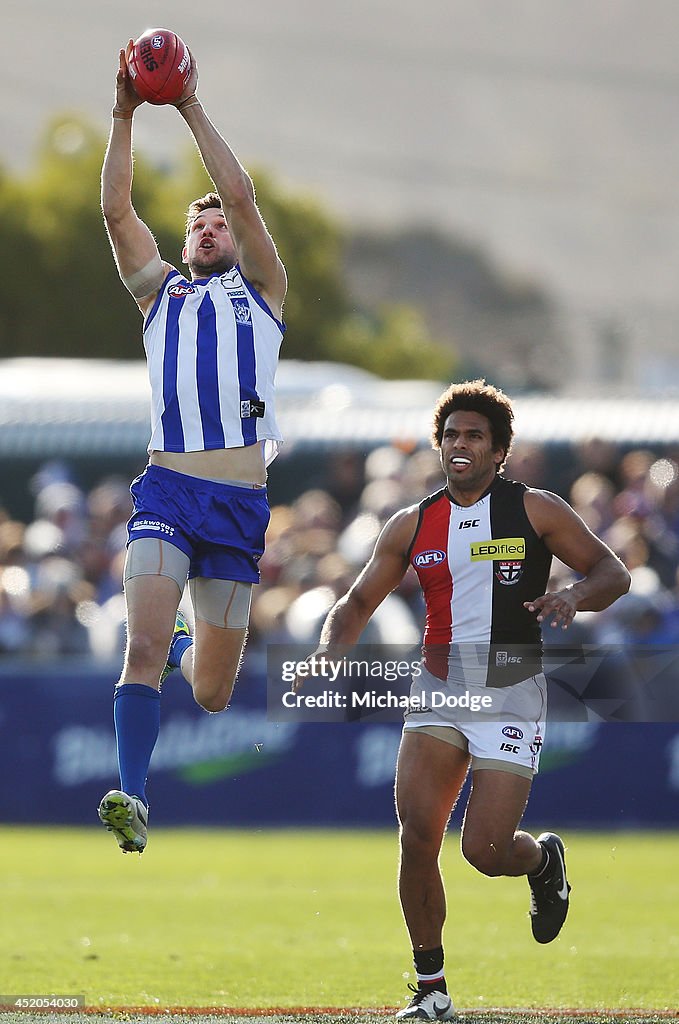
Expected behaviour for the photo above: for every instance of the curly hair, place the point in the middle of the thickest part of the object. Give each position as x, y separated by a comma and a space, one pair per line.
476, 396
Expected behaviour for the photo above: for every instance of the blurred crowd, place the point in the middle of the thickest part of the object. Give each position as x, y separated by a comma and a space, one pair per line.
60, 574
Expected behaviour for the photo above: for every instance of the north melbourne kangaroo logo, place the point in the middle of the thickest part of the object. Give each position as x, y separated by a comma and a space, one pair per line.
242, 311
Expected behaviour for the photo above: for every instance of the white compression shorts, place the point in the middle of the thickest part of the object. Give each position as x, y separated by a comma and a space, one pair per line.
223, 603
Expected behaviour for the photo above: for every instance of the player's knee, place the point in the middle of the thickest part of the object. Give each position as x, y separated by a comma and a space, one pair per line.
145, 652
212, 704
213, 696
483, 855
419, 840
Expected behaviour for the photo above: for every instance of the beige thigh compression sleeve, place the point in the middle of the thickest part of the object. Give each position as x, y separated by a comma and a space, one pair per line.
149, 556
223, 603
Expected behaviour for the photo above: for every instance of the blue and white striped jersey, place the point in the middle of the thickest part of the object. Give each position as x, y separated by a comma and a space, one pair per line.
212, 351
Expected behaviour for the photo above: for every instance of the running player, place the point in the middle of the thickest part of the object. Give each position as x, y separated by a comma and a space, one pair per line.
200, 507
482, 549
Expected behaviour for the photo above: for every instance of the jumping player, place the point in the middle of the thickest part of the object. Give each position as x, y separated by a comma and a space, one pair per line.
200, 507
482, 548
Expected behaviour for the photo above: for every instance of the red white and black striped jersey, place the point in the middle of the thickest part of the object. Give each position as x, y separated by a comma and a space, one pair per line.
477, 565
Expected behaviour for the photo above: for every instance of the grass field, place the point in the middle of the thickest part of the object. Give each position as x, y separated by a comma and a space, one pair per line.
286, 919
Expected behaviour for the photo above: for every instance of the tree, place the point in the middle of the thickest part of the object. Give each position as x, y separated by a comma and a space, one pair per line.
74, 305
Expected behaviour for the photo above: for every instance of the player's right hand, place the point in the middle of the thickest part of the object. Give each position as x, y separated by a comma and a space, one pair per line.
319, 656
126, 98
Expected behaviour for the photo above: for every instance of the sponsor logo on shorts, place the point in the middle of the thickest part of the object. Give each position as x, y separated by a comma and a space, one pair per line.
426, 559
512, 732
509, 748
509, 573
502, 549
180, 291
152, 524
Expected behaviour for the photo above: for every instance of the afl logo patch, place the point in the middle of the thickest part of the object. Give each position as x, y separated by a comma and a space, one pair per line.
426, 559
512, 733
509, 573
179, 291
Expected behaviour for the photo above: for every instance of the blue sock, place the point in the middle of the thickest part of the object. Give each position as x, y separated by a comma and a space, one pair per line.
136, 714
180, 643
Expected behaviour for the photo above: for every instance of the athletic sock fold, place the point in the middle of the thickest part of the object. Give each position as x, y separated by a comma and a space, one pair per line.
544, 864
429, 969
178, 647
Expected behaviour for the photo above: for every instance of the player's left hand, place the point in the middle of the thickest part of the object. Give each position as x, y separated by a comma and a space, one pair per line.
558, 608
191, 85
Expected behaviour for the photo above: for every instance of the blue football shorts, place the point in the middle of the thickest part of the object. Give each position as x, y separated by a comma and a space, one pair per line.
220, 527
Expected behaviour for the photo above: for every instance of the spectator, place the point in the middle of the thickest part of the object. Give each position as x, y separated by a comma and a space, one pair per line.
60, 574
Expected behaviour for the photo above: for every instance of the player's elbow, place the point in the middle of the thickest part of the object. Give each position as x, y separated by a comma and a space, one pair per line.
113, 213
618, 583
116, 205
621, 579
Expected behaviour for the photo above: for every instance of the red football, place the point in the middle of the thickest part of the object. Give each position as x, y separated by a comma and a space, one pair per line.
159, 66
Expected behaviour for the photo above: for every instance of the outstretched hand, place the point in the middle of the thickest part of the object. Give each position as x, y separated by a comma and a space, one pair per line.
127, 99
313, 667
191, 85
559, 607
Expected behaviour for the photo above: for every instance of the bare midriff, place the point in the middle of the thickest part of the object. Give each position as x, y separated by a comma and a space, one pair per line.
246, 464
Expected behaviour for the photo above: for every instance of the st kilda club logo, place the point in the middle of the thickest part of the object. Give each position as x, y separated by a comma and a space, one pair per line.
509, 573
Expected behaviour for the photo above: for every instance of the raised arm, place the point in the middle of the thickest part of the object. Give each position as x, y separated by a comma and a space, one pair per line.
604, 577
347, 619
257, 254
136, 253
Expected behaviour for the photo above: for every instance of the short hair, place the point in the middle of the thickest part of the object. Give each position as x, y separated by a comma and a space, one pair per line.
476, 396
210, 201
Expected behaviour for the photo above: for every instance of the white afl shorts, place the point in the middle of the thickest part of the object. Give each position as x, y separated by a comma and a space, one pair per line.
504, 733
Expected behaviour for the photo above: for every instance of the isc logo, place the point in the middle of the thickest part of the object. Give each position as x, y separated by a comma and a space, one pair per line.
466, 523
502, 659
509, 748
426, 559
